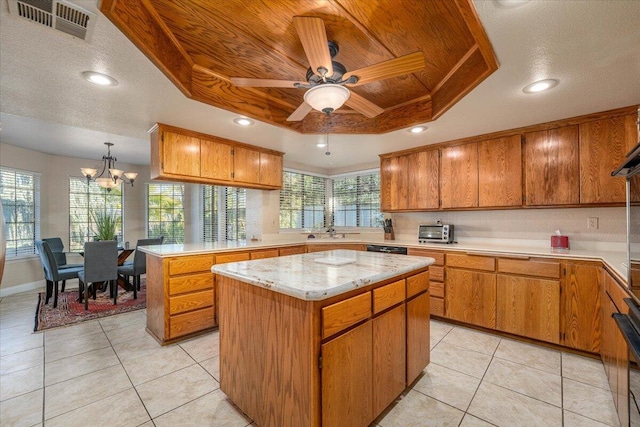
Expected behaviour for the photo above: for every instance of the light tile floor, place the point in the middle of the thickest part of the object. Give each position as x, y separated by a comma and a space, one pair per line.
111, 372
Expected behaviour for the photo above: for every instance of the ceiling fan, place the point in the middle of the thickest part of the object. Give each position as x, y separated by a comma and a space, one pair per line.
326, 78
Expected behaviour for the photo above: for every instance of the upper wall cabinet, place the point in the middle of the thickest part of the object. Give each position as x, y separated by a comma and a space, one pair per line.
459, 176
187, 156
410, 181
500, 172
603, 146
552, 167
562, 163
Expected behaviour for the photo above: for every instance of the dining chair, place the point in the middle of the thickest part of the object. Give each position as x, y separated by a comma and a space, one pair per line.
100, 265
139, 264
57, 247
52, 273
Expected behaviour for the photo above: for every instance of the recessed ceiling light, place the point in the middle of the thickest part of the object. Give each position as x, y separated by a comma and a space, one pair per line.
99, 78
511, 3
243, 121
321, 144
540, 85
417, 129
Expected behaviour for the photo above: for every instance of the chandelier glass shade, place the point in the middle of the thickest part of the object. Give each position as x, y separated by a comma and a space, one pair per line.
114, 177
327, 97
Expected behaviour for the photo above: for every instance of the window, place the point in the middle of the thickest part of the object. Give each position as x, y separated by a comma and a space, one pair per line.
165, 212
356, 200
302, 200
85, 201
353, 200
223, 213
20, 195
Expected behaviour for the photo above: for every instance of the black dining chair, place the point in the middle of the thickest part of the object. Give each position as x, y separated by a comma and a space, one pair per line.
52, 273
100, 265
139, 264
57, 247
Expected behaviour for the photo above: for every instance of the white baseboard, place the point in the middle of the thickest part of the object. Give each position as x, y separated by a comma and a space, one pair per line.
11, 290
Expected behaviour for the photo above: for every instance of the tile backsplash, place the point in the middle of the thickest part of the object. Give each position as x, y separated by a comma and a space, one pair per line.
522, 224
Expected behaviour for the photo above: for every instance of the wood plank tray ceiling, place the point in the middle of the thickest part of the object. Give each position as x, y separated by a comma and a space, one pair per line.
201, 44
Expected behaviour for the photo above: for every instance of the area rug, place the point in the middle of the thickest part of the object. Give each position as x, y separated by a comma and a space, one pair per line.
70, 311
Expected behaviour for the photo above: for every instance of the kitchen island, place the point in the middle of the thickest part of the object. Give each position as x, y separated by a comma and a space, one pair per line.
327, 338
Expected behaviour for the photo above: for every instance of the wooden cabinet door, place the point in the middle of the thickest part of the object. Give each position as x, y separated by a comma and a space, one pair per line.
216, 160
347, 378
180, 154
389, 343
470, 297
552, 167
581, 326
246, 165
270, 170
418, 336
459, 176
603, 145
529, 307
500, 172
423, 178
388, 168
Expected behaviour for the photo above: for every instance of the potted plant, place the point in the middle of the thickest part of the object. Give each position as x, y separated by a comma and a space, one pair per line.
105, 223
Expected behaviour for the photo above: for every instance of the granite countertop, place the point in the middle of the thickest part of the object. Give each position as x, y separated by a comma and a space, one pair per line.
314, 277
615, 259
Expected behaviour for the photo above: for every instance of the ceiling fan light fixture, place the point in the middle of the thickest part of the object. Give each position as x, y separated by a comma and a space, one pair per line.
327, 97
540, 85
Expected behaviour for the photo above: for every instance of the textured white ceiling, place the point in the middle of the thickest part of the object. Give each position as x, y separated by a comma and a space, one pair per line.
592, 47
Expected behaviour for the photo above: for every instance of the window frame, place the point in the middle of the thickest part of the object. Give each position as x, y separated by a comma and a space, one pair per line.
217, 229
35, 190
167, 238
301, 211
104, 193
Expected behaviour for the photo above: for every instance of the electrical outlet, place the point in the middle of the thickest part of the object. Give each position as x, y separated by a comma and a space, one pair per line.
592, 222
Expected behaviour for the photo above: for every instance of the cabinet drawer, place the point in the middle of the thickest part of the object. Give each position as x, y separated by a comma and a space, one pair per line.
240, 256
529, 268
388, 295
269, 253
190, 264
474, 262
438, 256
292, 250
418, 283
343, 314
188, 302
183, 324
436, 273
436, 289
190, 283
437, 306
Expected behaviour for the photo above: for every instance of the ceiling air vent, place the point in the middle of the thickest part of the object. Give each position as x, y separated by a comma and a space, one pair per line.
58, 14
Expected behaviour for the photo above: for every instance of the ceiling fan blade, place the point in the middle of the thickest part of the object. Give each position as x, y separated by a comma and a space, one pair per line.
300, 113
313, 36
241, 81
363, 106
385, 70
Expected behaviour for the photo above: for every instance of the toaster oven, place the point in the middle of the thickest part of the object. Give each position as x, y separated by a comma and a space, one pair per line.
435, 233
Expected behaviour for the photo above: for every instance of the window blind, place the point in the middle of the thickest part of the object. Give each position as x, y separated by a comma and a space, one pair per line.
20, 196
302, 200
355, 200
84, 201
223, 213
165, 212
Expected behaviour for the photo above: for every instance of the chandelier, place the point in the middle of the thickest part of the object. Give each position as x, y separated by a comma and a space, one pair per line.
113, 176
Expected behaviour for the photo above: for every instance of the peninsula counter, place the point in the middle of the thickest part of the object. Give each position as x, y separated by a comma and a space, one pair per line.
328, 338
